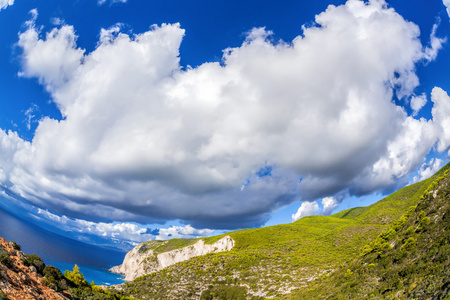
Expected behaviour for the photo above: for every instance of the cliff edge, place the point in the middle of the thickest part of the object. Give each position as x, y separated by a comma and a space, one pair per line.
141, 260
19, 281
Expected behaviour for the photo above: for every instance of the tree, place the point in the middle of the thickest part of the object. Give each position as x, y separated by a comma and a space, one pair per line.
76, 277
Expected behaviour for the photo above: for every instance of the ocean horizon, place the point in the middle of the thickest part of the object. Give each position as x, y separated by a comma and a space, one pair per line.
60, 251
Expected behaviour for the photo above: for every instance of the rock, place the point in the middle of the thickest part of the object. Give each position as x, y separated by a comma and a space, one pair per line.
23, 282
138, 263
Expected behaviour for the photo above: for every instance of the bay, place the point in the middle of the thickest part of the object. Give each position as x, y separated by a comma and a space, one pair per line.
60, 251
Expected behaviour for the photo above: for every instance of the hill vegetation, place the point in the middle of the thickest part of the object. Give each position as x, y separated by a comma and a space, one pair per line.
285, 259
409, 260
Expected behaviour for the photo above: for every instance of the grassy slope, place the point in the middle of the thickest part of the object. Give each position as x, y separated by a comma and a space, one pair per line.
273, 260
410, 261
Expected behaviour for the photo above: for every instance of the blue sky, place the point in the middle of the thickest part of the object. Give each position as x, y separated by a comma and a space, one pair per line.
123, 121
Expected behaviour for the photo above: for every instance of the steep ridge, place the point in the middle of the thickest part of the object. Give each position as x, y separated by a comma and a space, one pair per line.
144, 259
278, 260
410, 260
26, 277
18, 281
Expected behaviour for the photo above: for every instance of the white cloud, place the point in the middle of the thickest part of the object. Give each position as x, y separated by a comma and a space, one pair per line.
143, 140
29, 114
447, 4
129, 234
10, 144
312, 208
441, 117
123, 231
306, 209
5, 3
101, 2
52, 60
329, 203
428, 169
182, 232
435, 45
417, 102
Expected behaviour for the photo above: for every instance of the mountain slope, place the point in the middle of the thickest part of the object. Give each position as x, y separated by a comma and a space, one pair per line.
19, 281
408, 261
276, 260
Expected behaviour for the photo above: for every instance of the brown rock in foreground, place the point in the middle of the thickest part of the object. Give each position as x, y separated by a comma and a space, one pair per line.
20, 282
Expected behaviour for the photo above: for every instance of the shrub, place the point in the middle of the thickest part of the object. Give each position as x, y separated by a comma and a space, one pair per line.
96, 288
425, 221
5, 258
224, 293
409, 231
388, 234
76, 277
16, 246
3, 296
409, 244
54, 279
34, 260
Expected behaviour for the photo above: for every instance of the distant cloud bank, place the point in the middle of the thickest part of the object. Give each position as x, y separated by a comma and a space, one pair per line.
224, 144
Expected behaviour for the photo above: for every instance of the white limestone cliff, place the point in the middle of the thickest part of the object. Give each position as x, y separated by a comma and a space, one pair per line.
138, 263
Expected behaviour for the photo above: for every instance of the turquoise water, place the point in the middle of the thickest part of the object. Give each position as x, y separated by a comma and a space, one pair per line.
96, 274
60, 251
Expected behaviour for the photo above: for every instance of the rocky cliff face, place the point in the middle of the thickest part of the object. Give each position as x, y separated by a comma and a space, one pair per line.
18, 281
138, 262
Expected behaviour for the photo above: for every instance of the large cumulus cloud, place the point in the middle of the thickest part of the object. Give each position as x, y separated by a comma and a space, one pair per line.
142, 139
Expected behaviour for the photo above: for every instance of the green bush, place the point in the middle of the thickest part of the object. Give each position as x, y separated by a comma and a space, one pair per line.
410, 230
76, 277
54, 279
3, 296
388, 234
16, 246
5, 258
224, 293
34, 260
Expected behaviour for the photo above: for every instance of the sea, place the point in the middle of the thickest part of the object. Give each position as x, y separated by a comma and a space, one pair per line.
60, 251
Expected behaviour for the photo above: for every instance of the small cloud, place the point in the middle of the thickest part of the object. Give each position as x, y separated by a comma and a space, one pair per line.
329, 203
32, 21
54, 61
431, 52
182, 232
5, 3
101, 2
417, 102
428, 169
30, 116
57, 21
107, 36
447, 4
306, 209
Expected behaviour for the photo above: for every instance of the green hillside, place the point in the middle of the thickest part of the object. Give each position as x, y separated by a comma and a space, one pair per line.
284, 259
410, 260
